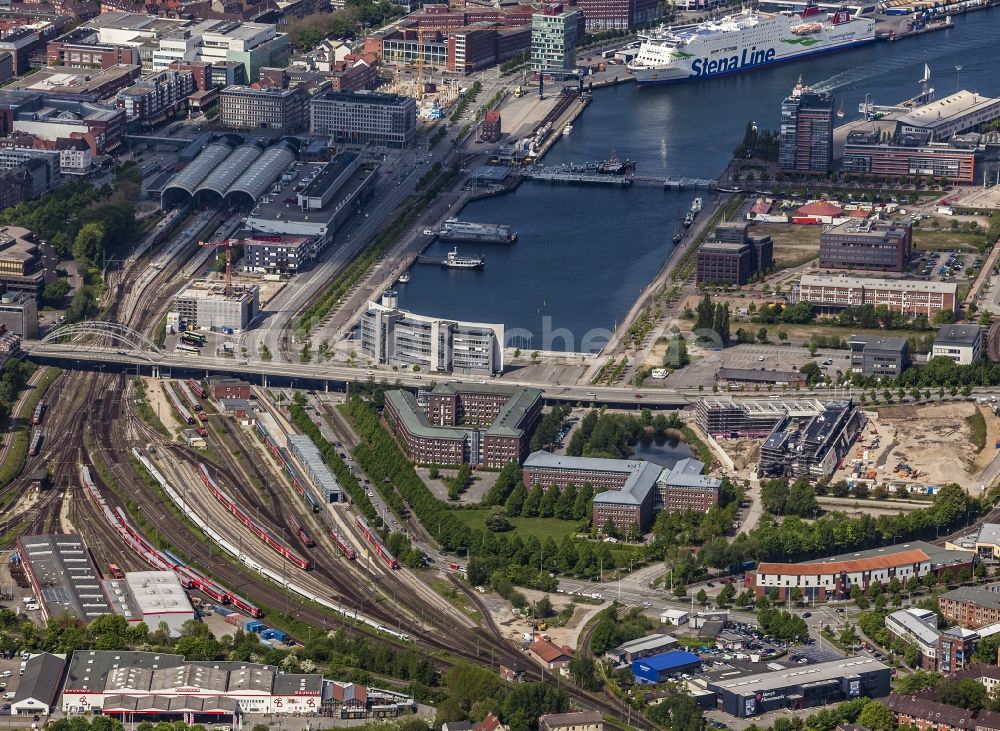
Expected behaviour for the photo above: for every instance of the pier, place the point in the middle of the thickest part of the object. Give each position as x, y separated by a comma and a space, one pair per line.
584, 177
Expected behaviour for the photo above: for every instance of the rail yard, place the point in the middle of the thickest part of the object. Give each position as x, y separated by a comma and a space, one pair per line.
240, 523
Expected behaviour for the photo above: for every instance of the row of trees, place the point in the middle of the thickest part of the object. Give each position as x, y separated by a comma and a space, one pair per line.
712, 317
793, 538
566, 504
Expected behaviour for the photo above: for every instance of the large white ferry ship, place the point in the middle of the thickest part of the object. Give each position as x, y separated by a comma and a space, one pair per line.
745, 41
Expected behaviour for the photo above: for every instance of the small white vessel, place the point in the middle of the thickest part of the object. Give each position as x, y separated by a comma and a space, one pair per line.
404, 277
454, 261
567, 129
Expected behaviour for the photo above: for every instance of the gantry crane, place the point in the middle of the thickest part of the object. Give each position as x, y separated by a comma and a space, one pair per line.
228, 243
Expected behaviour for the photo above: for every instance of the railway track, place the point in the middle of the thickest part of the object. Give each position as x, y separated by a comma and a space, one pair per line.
993, 342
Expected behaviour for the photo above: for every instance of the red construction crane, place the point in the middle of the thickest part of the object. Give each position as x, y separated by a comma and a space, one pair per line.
229, 244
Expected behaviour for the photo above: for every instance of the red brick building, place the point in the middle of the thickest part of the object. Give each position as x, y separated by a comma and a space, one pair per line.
224, 387
970, 607
925, 714
465, 423
490, 130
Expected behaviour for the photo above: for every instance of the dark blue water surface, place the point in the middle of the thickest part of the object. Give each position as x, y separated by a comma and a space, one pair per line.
584, 254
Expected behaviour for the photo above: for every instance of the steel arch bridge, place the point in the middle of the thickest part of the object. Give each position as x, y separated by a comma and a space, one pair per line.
89, 333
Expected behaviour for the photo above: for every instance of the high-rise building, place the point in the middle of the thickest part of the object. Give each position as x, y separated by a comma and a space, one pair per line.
806, 141
553, 40
243, 107
364, 117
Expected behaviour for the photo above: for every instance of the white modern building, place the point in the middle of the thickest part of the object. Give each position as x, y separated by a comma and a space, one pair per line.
918, 627
153, 597
962, 343
397, 337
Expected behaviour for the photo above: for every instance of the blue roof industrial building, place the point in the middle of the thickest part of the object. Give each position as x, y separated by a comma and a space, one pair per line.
658, 668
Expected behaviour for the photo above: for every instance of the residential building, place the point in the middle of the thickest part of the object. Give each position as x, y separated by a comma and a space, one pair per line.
244, 107
836, 575
908, 156
279, 254
157, 97
662, 667
806, 131
494, 438
56, 122
925, 714
551, 655
811, 446
363, 117
733, 256
964, 111
883, 357
44, 177
15, 186
553, 41
622, 14
23, 42
825, 683
866, 244
956, 646
986, 675
204, 305
832, 292
393, 336
683, 487
75, 162
573, 721
971, 607
961, 343
19, 314
917, 627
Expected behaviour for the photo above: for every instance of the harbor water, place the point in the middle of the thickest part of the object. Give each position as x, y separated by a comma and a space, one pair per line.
584, 254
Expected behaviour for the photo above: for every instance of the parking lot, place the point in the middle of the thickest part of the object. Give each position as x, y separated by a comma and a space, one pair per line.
946, 266
706, 363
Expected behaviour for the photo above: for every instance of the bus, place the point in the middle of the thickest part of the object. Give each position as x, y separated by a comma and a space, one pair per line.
189, 339
195, 336
187, 348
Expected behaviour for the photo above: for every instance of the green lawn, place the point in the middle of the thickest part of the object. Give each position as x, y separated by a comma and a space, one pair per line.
541, 528
929, 239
